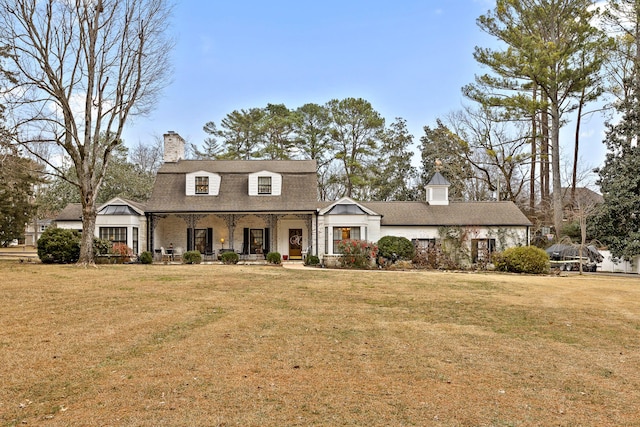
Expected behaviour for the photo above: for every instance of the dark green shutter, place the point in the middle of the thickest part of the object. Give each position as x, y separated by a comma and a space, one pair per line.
267, 245
189, 239
209, 240
245, 242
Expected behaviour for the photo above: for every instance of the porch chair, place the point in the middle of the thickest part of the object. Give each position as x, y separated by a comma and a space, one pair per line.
177, 254
165, 256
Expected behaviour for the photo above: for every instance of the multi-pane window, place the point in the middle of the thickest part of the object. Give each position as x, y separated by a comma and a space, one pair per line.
114, 234
136, 244
481, 249
256, 236
424, 243
344, 233
264, 185
200, 242
202, 185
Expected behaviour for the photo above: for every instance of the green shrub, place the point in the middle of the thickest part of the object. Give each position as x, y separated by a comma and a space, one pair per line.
59, 246
230, 258
312, 260
192, 257
274, 258
146, 257
522, 259
395, 248
101, 246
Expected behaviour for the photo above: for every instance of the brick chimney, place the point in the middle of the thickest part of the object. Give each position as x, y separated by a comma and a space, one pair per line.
173, 147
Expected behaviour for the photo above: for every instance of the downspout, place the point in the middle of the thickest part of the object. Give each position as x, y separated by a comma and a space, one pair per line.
149, 233
316, 239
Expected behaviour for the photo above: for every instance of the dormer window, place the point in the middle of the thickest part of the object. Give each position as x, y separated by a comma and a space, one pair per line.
202, 185
264, 185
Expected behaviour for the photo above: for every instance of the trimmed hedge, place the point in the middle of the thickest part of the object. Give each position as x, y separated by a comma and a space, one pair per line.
192, 257
59, 246
312, 260
394, 248
274, 258
522, 259
230, 258
146, 257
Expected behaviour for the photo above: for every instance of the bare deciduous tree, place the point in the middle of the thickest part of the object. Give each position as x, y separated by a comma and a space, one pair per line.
82, 68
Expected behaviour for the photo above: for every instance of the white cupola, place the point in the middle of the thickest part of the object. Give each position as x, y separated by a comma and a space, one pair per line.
438, 190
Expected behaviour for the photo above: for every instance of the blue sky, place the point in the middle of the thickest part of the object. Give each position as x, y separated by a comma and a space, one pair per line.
408, 58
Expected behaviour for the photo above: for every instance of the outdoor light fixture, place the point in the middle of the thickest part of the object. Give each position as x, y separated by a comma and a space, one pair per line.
222, 243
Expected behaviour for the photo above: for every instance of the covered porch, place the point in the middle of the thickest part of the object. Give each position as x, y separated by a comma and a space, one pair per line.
250, 235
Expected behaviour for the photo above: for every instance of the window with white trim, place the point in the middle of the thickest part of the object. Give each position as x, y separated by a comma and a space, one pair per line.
114, 234
264, 185
344, 233
202, 185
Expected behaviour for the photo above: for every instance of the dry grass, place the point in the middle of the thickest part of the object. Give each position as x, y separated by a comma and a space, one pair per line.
209, 345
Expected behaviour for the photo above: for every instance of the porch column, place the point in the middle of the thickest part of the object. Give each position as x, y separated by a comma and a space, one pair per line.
309, 223
153, 223
192, 221
231, 220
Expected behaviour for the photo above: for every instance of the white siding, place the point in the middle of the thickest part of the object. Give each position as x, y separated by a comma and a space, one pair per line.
438, 195
128, 221
214, 183
69, 225
282, 239
513, 237
276, 183
369, 228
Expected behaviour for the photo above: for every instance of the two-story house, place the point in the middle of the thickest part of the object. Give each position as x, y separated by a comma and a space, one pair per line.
252, 207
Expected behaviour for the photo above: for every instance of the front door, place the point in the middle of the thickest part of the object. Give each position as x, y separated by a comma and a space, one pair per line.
295, 243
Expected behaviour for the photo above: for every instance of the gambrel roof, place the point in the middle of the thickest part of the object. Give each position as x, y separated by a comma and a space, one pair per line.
299, 183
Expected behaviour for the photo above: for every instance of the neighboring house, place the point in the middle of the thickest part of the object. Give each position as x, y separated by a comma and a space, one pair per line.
254, 207
584, 201
33, 231
119, 220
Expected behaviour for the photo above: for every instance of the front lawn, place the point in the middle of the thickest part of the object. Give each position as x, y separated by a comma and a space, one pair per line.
216, 345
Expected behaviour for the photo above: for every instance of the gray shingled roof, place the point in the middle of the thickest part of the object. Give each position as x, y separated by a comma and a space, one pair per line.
438, 179
299, 184
240, 166
456, 213
71, 212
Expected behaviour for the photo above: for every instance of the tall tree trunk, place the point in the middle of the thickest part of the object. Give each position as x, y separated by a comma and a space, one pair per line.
534, 152
555, 166
574, 175
544, 164
88, 230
